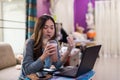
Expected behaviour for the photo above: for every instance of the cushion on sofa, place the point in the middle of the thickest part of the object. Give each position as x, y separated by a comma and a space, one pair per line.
7, 57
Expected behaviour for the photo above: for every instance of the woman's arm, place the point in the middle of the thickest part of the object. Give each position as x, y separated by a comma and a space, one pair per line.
69, 49
29, 65
62, 59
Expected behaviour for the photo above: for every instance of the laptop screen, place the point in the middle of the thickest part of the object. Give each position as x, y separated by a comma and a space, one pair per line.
88, 59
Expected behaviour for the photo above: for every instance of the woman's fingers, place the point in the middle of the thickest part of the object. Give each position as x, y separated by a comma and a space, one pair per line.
70, 40
50, 50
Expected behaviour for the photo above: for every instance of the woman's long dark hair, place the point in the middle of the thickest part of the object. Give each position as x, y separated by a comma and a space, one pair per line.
37, 35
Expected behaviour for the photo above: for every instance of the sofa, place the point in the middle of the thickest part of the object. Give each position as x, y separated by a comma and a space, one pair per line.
8, 63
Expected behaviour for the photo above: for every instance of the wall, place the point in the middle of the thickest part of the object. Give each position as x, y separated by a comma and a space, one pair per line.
43, 7
67, 12
80, 9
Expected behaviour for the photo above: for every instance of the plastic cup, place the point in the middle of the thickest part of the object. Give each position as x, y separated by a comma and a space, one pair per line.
54, 57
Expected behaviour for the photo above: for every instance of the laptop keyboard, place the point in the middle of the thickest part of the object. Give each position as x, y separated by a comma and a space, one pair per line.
69, 71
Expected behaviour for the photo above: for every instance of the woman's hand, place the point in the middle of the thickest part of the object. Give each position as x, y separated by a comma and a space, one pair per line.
49, 51
71, 43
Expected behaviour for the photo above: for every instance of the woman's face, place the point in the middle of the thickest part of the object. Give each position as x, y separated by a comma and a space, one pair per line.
48, 30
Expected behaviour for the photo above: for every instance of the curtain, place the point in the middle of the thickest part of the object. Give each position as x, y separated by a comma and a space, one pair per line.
63, 12
107, 17
30, 17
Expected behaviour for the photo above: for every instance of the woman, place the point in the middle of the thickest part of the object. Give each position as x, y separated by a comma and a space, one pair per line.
36, 54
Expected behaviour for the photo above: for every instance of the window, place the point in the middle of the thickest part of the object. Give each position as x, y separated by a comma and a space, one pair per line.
12, 24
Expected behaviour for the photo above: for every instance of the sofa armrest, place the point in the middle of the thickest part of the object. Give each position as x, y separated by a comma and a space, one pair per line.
7, 57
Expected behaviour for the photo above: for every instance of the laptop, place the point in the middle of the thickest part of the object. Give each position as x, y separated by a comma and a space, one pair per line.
87, 63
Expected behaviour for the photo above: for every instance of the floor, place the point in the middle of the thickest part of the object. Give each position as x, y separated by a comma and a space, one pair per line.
107, 69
